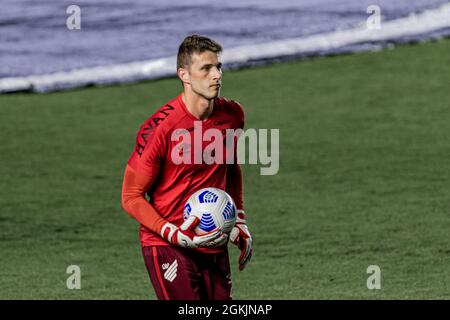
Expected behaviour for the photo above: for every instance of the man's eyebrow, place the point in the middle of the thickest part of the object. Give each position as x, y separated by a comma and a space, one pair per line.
209, 65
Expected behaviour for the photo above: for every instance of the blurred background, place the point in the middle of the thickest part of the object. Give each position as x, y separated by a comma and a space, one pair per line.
36, 39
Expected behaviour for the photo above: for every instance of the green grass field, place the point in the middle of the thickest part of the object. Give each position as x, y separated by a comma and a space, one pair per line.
364, 180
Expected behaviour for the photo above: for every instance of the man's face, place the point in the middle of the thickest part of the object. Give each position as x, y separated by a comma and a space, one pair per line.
205, 73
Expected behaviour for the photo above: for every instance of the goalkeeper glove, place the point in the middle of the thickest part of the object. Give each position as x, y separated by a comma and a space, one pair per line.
185, 237
241, 237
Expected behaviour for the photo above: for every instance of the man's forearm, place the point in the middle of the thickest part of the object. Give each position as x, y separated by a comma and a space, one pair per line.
134, 203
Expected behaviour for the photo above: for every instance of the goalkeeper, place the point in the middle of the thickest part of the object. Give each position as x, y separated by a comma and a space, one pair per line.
182, 265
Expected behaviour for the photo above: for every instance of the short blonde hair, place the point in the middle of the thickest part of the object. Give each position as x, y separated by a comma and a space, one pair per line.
195, 44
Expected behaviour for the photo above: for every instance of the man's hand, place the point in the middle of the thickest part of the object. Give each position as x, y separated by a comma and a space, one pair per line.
240, 236
185, 237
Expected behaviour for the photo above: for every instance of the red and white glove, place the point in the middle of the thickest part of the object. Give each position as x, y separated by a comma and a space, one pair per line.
240, 236
184, 236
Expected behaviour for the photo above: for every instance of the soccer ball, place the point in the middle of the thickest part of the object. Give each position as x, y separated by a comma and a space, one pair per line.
215, 209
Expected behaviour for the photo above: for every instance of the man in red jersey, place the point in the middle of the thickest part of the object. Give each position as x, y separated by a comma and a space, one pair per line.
181, 264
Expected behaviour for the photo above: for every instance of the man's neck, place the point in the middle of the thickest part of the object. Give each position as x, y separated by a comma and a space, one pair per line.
198, 106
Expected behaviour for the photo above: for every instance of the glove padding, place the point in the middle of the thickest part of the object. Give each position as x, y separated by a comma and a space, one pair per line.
185, 237
240, 236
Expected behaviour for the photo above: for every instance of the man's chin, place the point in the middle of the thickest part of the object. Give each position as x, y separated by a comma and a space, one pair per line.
212, 95
216, 94
209, 95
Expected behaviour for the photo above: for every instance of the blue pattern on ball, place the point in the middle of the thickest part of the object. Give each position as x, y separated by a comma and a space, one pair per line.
207, 222
229, 212
208, 197
187, 211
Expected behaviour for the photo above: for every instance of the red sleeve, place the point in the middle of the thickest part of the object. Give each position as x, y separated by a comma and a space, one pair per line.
150, 148
135, 185
234, 186
240, 115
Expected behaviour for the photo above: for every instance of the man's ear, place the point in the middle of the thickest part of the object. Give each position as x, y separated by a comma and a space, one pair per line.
183, 74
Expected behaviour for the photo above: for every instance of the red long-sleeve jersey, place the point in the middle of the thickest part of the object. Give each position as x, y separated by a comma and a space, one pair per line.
160, 167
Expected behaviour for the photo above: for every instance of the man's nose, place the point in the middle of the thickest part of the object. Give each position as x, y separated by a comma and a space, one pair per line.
217, 73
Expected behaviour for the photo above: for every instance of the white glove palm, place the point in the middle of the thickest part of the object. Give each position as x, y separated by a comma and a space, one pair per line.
184, 236
240, 236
